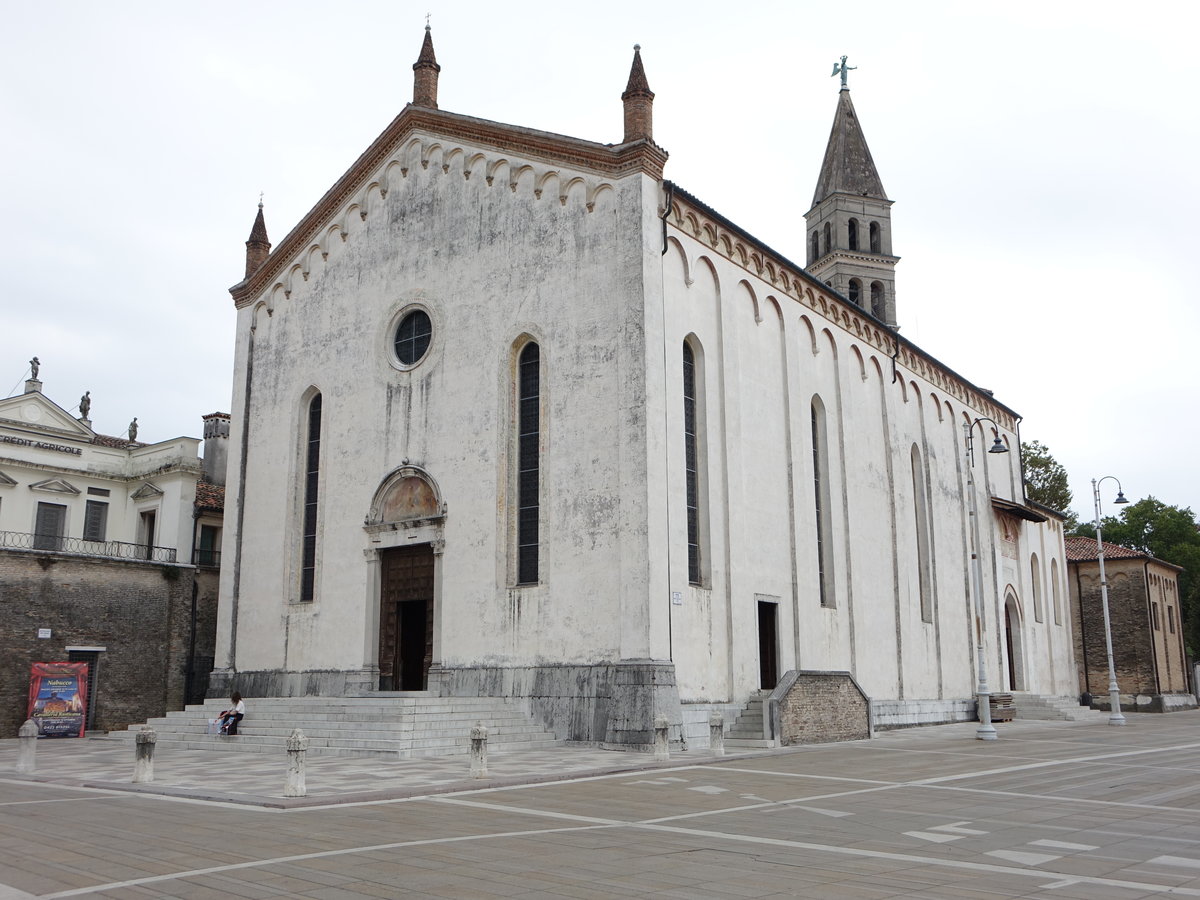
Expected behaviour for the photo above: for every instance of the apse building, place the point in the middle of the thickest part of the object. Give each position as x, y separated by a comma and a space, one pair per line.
516, 416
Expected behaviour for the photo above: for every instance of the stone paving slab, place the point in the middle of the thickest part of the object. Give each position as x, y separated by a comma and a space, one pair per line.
823, 821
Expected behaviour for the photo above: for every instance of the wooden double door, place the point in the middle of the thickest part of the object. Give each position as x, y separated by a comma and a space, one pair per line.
405, 618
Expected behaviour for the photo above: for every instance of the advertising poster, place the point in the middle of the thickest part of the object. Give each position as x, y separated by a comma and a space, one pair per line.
58, 698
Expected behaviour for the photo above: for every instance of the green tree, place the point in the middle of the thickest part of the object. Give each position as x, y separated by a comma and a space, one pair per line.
1046, 480
1167, 533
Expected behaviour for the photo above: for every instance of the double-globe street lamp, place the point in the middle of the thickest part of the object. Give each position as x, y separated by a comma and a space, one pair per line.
1114, 695
983, 696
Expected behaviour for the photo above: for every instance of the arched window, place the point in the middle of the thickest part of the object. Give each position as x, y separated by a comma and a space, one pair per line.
921, 517
814, 247
1035, 571
878, 307
856, 291
852, 234
529, 428
876, 238
312, 472
1054, 592
820, 454
692, 433
828, 238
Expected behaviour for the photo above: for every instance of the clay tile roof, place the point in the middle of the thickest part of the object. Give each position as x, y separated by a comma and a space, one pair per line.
1083, 549
848, 167
120, 443
210, 496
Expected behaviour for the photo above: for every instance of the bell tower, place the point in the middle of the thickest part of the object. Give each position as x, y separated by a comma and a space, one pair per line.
850, 223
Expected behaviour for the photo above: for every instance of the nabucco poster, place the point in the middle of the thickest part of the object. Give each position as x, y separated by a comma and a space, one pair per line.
58, 698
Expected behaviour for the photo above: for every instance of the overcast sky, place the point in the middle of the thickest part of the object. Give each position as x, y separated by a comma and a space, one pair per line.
1042, 158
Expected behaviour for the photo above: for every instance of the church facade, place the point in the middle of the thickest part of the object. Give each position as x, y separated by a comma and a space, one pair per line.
516, 416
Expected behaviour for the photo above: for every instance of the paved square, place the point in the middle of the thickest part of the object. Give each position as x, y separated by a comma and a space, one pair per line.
1053, 809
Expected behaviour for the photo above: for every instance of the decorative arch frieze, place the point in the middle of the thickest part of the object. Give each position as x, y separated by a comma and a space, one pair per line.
698, 222
386, 182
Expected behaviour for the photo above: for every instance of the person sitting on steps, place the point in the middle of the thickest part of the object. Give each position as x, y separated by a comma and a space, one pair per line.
229, 718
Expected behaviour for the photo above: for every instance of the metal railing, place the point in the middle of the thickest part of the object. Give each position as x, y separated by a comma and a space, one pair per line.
209, 558
56, 543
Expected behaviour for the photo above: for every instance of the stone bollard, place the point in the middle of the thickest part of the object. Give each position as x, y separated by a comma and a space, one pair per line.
143, 760
479, 736
297, 744
716, 734
662, 748
27, 748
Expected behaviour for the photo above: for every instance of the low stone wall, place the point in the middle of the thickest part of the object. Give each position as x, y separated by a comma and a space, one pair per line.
819, 707
890, 714
1148, 703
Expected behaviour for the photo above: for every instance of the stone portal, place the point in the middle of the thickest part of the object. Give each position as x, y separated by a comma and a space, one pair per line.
406, 618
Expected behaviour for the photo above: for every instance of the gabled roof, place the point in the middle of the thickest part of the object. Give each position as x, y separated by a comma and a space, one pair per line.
606, 159
35, 412
1083, 549
848, 167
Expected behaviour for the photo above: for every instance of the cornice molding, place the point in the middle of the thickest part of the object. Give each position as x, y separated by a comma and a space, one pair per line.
427, 130
767, 266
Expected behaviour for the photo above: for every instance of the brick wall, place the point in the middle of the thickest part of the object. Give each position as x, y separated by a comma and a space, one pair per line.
818, 707
1128, 613
139, 612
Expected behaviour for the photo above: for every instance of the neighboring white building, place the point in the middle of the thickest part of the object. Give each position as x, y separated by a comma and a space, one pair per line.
515, 416
62, 485
96, 559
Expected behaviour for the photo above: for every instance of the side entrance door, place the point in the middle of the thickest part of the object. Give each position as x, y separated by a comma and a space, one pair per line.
406, 618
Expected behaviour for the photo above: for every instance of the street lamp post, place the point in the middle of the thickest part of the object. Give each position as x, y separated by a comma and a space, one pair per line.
1114, 694
983, 696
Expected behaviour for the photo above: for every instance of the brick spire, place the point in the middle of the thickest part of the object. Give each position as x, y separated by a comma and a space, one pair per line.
425, 75
639, 102
258, 248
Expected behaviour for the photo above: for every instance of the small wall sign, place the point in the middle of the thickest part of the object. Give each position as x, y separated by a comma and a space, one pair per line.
43, 633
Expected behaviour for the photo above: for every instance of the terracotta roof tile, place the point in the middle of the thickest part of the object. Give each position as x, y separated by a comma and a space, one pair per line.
108, 440
1082, 549
210, 496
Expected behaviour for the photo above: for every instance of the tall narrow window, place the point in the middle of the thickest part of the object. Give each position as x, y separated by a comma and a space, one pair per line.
1035, 572
529, 416
921, 522
95, 520
691, 462
820, 454
876, 239
814, 247
852, 233
312, 471
1054, 592
149, 531
828, 238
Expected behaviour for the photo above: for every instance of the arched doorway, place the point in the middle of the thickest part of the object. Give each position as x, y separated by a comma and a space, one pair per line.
405, 523
1014, 643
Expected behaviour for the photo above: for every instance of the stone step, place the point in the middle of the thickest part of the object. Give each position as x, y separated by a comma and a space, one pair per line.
254, 727
399, 725
739, 743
